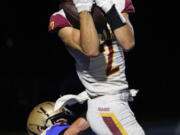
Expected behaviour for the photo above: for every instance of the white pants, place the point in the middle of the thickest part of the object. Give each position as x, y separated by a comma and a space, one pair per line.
111, 115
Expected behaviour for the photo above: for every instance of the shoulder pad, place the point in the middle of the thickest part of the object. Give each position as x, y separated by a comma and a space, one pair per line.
57, 20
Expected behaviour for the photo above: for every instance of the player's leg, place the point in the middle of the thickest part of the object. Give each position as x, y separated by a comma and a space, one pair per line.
111, 115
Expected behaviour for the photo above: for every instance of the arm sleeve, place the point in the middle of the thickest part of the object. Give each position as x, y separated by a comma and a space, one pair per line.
129, 8
57, 21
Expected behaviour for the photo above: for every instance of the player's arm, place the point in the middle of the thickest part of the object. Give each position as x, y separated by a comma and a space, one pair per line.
88, 35
71, 37
119, 23
125, 34
85, 39
77, 127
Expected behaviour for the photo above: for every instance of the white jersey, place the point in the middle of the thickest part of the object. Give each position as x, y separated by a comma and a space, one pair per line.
104, 74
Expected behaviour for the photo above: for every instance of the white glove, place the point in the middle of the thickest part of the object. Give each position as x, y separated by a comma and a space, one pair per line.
119, 4
71, 99
105, 5
83, 5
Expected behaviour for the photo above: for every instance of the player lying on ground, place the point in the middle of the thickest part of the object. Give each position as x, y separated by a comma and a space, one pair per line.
49, 118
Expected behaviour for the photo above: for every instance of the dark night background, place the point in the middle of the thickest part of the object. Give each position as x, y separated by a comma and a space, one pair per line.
35, 66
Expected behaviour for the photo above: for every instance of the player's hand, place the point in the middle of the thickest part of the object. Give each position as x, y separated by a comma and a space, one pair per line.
105, 5
83, 5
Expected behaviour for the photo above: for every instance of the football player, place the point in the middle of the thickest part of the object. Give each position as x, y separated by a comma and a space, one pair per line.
96, 33
65, 117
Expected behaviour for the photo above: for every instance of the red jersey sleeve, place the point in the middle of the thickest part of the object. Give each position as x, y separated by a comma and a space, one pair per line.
129, 8
57, 21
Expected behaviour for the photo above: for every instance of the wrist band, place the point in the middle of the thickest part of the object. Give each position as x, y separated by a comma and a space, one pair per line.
115, 19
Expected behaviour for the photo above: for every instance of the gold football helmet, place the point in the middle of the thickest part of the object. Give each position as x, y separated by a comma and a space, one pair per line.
43, 116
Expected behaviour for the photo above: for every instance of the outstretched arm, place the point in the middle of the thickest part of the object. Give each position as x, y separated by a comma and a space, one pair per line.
88, 35
119, 22
85, 39
125, 34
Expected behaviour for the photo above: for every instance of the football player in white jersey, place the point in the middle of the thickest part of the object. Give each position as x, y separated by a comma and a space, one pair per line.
100, 65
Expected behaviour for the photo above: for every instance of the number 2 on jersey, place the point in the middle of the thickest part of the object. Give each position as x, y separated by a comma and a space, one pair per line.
110, 70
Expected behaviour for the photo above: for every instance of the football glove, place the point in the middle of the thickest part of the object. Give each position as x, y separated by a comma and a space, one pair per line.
105, 5
83, 5
113, 13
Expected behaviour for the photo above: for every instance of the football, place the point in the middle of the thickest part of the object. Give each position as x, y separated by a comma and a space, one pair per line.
73, 16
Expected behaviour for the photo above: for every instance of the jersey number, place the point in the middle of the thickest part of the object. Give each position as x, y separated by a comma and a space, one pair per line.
110, 70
